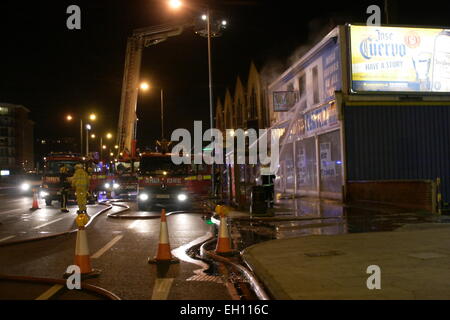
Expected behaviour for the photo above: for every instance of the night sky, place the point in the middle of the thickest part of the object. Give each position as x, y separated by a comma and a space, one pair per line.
54, 71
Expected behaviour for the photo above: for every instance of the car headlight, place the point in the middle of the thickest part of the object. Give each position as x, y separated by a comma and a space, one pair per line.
182, 197
25, 187
43, 194
107, 185
143, 197
116, 186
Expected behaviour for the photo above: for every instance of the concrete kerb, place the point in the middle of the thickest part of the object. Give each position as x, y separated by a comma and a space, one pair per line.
267, 280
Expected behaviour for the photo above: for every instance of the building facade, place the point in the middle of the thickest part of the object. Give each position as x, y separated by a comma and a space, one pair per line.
245, 109
16, 138
364, 115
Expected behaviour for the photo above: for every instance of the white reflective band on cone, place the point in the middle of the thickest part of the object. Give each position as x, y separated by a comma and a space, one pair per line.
164, 234
81, 248
223, 228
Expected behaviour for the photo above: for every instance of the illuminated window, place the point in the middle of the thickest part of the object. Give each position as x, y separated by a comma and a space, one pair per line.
4, 110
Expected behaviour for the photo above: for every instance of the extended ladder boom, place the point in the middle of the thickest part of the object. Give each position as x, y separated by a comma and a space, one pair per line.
141, 38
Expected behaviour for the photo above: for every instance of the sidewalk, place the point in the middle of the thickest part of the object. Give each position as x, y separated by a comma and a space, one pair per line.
414, 262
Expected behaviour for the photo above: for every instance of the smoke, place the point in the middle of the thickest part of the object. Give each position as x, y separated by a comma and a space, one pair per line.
271, 70
317, 29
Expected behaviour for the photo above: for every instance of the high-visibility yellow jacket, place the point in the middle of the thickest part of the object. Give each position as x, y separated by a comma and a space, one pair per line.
80, 180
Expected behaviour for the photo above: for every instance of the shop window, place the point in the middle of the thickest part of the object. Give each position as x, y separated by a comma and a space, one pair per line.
305, 159
330, 162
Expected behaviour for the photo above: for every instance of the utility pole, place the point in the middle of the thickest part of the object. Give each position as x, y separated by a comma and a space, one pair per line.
211, 115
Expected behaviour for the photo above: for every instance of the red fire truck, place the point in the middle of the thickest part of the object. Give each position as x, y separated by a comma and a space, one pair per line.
164, 184
51, 189
123, 183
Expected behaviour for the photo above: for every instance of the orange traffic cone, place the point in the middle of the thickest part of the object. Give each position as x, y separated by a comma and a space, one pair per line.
82, 256
223, 242
35, 205
163, 254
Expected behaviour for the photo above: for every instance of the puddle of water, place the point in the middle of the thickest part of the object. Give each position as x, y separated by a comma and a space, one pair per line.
339, 220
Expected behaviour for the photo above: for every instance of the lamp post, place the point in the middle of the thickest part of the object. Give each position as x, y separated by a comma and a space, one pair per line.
92, 117
211, 116
145, 86
88, 128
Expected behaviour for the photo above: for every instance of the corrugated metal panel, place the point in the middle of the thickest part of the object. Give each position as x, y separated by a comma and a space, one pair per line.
398, 142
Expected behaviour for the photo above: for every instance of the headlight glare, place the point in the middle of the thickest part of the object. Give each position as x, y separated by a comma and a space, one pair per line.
143, 197
25, 187
182, 197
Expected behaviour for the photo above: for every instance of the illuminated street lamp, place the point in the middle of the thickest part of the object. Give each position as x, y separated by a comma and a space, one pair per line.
88, 127
144, 86
175, 4
109, 135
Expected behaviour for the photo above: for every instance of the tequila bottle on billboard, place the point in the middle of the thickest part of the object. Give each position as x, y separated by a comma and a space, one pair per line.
422, 63
441, 62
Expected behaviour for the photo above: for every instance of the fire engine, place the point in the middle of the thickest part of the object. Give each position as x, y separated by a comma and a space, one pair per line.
123, 183
162, 183
50, 189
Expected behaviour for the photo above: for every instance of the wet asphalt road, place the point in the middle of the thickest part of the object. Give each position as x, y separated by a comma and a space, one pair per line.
119, 248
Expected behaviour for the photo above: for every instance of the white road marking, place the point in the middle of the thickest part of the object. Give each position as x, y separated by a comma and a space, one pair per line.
13, 210
108, 246
48, 223
7, 238
50, 292
162, 288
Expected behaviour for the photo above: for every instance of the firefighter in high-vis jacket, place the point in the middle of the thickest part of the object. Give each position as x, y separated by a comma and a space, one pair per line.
80, 182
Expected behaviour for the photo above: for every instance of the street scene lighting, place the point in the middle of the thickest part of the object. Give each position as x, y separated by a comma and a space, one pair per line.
144, 86
303, 155
175, 4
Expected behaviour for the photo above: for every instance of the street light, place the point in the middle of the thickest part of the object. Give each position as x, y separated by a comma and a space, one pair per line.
88, 127
144, 86
162, 107
175, 4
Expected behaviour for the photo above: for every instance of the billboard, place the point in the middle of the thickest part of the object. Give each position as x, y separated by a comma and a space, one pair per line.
400, 59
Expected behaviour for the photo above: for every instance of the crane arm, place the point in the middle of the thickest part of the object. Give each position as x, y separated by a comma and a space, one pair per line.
141, 38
